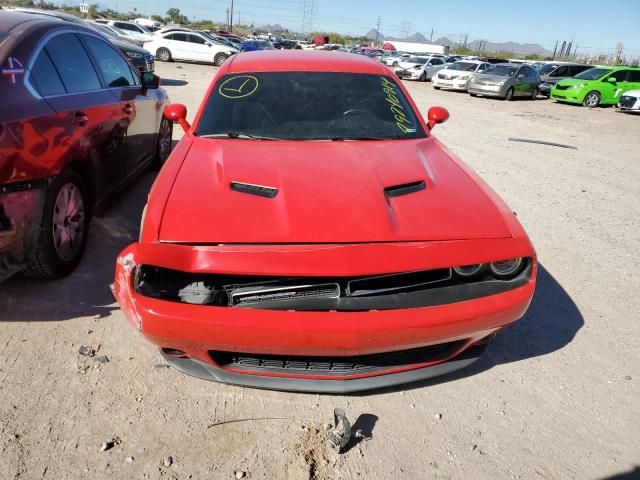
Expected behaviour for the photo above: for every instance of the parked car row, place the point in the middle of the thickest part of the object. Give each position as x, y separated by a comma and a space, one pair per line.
561, 81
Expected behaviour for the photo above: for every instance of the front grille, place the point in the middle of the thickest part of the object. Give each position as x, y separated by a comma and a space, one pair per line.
627, 101
24, 185
312, 365
562, 87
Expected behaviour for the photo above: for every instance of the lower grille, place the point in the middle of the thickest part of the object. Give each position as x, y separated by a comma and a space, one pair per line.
562, 87
628, 102
311, 365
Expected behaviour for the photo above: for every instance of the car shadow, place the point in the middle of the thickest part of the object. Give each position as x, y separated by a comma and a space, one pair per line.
551, 323
86, 292
170, 82
629, 475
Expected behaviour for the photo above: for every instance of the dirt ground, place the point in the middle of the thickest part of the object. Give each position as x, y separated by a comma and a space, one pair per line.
555, 396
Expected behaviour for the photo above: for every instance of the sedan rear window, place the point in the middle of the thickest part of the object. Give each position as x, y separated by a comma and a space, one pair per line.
503, 70
309, 106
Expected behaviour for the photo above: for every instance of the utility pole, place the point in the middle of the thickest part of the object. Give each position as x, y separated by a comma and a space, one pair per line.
227, 18
431, 36
555, 49
617, 53
378, 30
231, 18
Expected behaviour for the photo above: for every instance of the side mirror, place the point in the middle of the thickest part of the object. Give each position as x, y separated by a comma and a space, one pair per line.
150, 80
611, 80
207, 44
177, 113
520, 76
436, 115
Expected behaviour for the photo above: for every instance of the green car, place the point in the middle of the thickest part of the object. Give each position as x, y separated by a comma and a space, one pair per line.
597, 86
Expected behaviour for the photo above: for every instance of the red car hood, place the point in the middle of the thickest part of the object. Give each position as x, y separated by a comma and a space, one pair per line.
327, 192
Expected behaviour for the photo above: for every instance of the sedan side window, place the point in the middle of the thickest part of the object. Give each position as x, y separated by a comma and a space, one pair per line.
196, 39
560, 72
634, 76
44, 76
72, 63
620, 75
115, 70
180, 37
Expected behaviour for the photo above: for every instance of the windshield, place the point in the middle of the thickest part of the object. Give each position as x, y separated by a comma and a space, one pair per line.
548, 68
592, 73
465, 66
417, 60
3, 35
309, 106
503, 70
104, 29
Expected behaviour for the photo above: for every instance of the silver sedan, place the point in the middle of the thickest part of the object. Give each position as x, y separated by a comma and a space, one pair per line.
506, 80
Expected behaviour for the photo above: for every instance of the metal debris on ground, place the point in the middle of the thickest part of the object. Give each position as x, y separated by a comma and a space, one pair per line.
102, 359
240, 474
542, 142
341, 433
86, 351
107, 446
167, 461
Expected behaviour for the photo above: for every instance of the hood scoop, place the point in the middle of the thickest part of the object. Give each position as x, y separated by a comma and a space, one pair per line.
405, 188
258, 190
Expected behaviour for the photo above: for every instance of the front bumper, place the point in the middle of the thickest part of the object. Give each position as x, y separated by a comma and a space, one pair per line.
196, 332
450, 84
570, 95
545, 88
409, 74
629, 104
487, 90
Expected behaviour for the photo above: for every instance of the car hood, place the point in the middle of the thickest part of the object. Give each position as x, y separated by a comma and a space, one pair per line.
632, 93
548, 79
455, 73
128, 45
573, 81
485, 77
327, 192
409, 65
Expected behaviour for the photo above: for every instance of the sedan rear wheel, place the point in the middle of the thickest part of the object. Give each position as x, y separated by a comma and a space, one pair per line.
63, 232
219, 59
164, 54
509, 95
591, 100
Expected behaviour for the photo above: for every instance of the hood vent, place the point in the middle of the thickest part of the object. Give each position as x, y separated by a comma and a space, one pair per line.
405, 189
258, 190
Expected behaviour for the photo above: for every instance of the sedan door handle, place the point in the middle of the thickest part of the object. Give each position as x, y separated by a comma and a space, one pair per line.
128, 109
80, 119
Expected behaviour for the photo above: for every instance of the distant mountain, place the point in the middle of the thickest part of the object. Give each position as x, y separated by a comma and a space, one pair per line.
519, 48
272, 28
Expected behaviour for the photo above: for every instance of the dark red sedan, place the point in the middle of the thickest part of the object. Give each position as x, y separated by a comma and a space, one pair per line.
310, 233
77, 122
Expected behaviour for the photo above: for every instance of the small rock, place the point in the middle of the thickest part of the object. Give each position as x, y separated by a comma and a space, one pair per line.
106, 446
167, 462
102, 359
86, 351
474, 447
627, 377
501, 412
129, 459
327, 426
437, 416
138, 398
240, 474
412, 405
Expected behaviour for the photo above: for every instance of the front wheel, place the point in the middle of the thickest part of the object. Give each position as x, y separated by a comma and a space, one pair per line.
436, 88
219, 59
164, 54
63, 231
423, 77
163, 146
591, 100
534, 94
509, 95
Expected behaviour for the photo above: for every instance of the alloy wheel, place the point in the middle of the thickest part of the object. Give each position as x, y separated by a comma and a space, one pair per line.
68, 222
164, 140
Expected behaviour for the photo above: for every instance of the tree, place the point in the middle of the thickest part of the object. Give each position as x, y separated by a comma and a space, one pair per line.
174, 16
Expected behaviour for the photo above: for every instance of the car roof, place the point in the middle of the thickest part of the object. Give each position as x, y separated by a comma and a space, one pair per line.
10, 19
302, 60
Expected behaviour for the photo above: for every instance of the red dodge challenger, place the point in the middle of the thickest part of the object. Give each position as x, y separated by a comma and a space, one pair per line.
309, 233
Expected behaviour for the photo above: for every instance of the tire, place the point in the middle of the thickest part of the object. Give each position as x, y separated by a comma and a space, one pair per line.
473, 94
423, 77
509, 95
591, 99
219, 59
164, 55
436, 88
534, 94
163, 144
64, 229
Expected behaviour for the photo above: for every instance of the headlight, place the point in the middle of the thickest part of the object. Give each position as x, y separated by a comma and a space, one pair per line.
579, 85
468, 270
417, 67
506, 268
502, 82
463, 77
133, 54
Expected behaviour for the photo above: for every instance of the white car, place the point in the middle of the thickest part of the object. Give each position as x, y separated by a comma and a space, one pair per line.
188, 46
630, 101
132, 29
419, 68
456, 75
394, 59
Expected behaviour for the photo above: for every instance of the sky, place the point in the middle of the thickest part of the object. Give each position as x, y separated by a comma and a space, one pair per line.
595, 26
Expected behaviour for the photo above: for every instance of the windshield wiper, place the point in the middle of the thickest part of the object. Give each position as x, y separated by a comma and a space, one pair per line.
339, 139
240, 135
